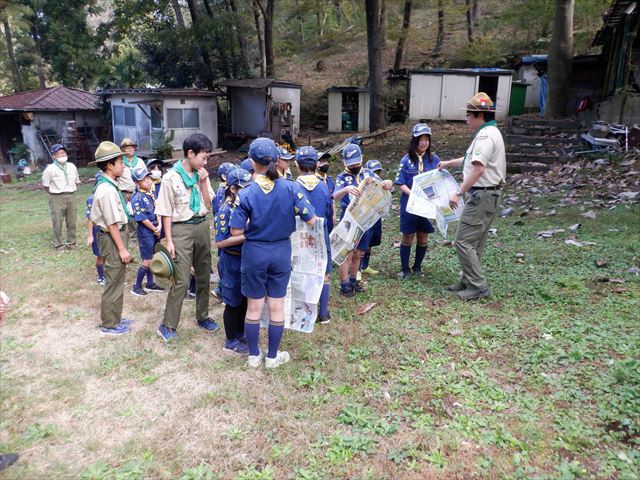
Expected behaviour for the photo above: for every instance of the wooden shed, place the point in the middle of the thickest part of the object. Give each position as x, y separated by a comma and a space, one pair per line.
442, 93
348, 109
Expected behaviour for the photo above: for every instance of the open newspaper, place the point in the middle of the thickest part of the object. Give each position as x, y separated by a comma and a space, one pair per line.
361, 214
429, 198
308, 263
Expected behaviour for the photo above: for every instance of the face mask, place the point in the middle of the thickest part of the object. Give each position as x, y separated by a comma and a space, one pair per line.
323, 168
354, 170
61, 159
156, 174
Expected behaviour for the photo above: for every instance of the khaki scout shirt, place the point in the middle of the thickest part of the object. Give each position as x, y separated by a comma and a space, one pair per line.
487, 148
107, 208
56, 181
125, 182
174, 197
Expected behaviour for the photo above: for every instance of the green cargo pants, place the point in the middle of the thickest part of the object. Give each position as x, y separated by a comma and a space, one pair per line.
481, 207
63, 207
193, 247
115, 274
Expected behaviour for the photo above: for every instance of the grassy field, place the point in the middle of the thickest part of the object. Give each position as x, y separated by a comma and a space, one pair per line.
542, 380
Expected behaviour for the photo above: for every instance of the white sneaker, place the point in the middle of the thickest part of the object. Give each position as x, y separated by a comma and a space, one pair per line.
281, 359
255, 361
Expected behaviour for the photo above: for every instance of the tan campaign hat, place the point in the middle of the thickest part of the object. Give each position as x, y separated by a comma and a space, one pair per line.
480, 102
106, 151
127, 142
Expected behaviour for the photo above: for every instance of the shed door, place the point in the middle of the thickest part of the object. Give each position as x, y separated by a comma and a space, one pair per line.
424, 99
456, 90
503, 97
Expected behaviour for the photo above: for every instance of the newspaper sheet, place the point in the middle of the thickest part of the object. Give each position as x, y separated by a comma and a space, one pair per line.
429, 198
361, 214
308, 262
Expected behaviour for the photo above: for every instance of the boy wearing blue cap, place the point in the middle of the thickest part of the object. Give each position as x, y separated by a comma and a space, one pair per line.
92, 237
376, 231
247, 164
418, 159
185, 196
266, 217
282, 164
318, 194
229, 263
148, 230
347, 183
322, 170
223, 171
61, 180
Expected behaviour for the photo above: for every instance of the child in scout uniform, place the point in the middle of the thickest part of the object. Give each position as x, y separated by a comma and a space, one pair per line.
347, 183
266, 217
109, 213
223, 171
230, 252
247, 164
418, 159
61, 180
282, 164
185, 196
92, 237
155, 169
320, 198
322, 170
125, 182
148, 229
376, 231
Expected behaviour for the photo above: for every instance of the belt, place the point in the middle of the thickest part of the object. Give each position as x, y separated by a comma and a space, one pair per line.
194, 220
62, 193
232, 252
121, 229
495, 187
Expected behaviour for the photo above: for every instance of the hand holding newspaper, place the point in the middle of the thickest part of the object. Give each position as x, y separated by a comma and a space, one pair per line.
429, 198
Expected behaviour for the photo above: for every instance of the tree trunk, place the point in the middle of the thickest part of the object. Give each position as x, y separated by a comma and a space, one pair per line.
42, 81
206, 58
338, 11
268, 39
560, 60
207, 7
178, 11
244, 55
406, 22
469, 21
383, 22
17, 77
437, 51
374, 53
258, 23
301, 20
193, 10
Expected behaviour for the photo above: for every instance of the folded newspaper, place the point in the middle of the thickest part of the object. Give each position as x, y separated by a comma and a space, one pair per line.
361, 214
429, 198
308, 263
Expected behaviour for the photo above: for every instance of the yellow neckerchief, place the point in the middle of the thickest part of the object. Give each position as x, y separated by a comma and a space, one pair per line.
420, 164
148, 192
157, 180
308, 181
356, 176
264, 183
322, 176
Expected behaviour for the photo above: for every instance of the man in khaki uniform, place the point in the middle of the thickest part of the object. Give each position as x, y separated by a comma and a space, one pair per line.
484, 172
183, 202
125, 181
109, 213
61, 180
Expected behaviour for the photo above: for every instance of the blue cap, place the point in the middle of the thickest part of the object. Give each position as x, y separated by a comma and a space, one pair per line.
284, 153
139, 173
421, 129
324, 156
225, 168
240, 177
57, 146
247, 164
263, 151
151, 161
351, 155
373, 165
307, 157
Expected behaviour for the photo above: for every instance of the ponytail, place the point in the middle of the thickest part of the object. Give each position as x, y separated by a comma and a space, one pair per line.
228, 193
272, 172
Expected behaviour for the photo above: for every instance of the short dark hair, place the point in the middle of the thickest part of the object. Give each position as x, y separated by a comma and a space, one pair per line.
306, 169
197, 142
111, 161
413, 147
488, 116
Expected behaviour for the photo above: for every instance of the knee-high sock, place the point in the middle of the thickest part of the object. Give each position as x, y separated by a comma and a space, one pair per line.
229, 318
149, 277
276, 329
100, 270
324, 301
252, 332
421, 251
364, 262
405, 253
142, 271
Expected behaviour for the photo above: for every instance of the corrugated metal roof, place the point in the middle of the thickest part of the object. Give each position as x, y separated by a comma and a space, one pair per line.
463, 71
259, 83
166, 92
57, 99
347, 89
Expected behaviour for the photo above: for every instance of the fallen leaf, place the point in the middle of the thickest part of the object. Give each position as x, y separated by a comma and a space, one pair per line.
601, 262
551, 213
591, 215
492, 231
574, 243
575, 227
366, 307
520, 255
619, 290
634, 271
616, 280
396, 245
506, 212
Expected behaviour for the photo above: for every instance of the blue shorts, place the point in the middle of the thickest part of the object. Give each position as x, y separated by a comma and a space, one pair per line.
376, 234
95, 246
329, 268
265, 268
146, 242
365, 241
230, 278
410, 223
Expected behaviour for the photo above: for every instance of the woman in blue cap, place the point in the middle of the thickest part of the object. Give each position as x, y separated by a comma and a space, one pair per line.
418, 159
229, 260
320, 198
266, 217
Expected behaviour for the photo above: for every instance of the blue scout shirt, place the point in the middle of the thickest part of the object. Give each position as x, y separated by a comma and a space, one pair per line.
222, 227
318, 194
143, 208
347, 179
271, 208
89, 205
218, 198
407, 170
331, 186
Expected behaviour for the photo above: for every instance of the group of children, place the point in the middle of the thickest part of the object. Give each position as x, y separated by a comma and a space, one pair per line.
254, 216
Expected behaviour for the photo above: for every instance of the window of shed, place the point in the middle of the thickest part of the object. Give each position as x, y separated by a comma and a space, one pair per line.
183, 118
124, 116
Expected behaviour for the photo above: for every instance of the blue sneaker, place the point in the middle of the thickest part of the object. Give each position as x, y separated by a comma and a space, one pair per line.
208, 324
117, 330
126, 321
167, 333
236, 346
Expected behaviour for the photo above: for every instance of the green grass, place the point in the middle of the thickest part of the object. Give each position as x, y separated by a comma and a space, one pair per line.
540, 381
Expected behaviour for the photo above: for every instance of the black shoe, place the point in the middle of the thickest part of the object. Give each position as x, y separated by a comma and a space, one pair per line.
324, 320
139, 292
404, 274
154, 287
417, 272
7, 459
358, 287
347, 291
